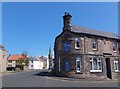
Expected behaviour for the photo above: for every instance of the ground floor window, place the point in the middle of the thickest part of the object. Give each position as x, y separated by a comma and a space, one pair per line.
116, 66
78, 64
95, 64
31, 65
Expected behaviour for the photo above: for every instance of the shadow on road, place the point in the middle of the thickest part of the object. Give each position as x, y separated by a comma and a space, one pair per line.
45, 73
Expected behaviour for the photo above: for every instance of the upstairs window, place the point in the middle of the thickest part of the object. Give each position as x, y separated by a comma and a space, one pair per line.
116, 66
77, 43
67, 46
95, 65
114, 46
94, 44
10, 61
3, 56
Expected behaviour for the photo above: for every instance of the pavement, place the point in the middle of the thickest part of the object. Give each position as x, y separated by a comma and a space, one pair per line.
77, 80
41, 78
13, 72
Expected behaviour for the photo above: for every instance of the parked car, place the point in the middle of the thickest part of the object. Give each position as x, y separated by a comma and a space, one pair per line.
11, 68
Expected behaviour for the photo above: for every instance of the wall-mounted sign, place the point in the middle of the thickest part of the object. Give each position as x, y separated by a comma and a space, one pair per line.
67, 66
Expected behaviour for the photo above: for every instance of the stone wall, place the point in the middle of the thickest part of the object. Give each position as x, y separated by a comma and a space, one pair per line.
86, 50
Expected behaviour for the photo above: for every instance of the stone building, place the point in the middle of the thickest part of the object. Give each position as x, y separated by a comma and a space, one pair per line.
3, 59
86, 53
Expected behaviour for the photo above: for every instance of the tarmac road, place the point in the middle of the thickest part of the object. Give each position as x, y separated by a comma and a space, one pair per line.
38, 78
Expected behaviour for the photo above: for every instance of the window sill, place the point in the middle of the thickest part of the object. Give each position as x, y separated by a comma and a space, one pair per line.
78, 72
117, 71
94, 49
95, 70
77, 48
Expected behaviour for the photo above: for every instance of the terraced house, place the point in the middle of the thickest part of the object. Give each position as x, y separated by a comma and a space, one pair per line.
86, 53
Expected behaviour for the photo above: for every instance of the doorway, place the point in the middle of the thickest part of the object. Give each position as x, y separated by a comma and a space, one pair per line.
108, 68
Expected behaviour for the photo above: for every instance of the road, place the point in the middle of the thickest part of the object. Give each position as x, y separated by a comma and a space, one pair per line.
36, 78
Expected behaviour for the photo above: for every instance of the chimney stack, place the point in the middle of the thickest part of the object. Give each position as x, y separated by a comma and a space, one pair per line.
67, 21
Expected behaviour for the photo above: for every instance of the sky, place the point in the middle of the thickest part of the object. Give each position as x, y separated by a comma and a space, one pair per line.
32, 27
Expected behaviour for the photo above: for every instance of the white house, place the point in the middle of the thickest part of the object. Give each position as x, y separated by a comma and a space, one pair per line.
35, 63
45, 61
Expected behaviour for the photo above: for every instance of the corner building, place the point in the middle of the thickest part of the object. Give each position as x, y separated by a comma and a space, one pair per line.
86, 53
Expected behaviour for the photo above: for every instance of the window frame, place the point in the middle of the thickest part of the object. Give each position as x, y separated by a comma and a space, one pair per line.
116, 69
31, 66
92, 66
94, 41
3, 56
80, 59
77, 39
32, 61
114, 46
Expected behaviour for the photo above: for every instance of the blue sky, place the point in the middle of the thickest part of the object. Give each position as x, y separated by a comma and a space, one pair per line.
32, 27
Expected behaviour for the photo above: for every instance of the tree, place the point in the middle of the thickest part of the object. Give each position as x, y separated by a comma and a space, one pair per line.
50, 58
22, 62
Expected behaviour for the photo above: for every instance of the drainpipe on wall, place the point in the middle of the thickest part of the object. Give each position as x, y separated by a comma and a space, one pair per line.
84, 45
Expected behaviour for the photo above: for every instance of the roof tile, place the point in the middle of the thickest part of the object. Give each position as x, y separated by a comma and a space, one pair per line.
16, 57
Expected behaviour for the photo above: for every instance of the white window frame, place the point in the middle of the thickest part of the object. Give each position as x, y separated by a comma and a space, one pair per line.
116, 69
77, 40
59, 64
114, 44
91, 59
94, 41
79, 58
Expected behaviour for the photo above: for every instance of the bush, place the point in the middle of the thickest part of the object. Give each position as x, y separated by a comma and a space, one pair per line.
21, 67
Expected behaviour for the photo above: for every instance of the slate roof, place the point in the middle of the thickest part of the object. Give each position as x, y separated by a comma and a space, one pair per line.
41, 58
32, 59
80, 29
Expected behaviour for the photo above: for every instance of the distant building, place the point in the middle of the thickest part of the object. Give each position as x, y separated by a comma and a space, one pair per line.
45, 61
35, 63
14, 58
38, 62
3, 59
85, 53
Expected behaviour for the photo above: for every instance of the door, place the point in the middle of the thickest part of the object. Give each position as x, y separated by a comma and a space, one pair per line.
108, 68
